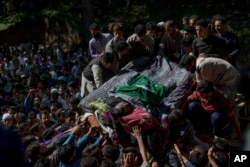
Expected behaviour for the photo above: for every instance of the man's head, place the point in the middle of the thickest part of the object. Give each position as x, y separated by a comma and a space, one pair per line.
35, 151
170, 27
37, 101
151, 28
188, 62
73, 87
189, 31
45, 118
117, 30
66, 153
140, 30
221, 144
111, 152
123, 49
206, 89
60, 115
107, 59
198, 156
185, 20
220, 25
193, 19
95, 30
201, 27
7, 119
186, 44
132, 152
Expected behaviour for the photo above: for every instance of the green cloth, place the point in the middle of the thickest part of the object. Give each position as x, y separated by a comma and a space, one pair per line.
144, 89
99, 104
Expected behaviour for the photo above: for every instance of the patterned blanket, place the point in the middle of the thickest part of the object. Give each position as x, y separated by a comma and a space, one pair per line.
160, 70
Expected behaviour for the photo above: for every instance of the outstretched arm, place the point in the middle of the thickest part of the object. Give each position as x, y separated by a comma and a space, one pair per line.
137, 134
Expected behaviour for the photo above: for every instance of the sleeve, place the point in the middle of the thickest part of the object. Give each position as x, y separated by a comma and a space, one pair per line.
195, 51
98, 141
193, 96
81, 144
189, 164
145, 164
69, 140
92, 50
198, 71
151, 49
237, 49
97, 74
198, 76
27, 104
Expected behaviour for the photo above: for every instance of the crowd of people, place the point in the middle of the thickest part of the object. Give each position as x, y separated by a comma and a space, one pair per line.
41, 87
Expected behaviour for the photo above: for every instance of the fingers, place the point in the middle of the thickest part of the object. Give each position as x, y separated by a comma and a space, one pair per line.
177, 148
136, 128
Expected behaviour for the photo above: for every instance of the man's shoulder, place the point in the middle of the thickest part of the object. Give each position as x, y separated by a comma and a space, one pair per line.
231, 35
132, 37
107, 35
196, 40
92, 40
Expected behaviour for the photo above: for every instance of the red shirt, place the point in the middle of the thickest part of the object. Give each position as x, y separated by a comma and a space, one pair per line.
218, 102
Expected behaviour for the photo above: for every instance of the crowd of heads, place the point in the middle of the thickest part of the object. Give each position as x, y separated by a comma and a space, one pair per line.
40, 92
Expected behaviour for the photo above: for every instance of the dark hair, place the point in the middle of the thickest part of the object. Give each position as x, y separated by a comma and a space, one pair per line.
112, 101
65, 152
54, 95
74, 101
140, 30
44, 107
205, 86
221, 19
70, 113
222, 159
116, 27
194, 17
159, 28
108, 58
31, 113
135, 151
34, 128
121, 46
186, 17
32, 150
105, 28
170, 23
151, 25
175, 115
186, 60
222, 145
60, 112
202, 23
186, 41
89, 162
44, 112
73, 84
198, 159
190, 29
22, 125
94, 26
91, 151
42, 162
111, 152
26, 140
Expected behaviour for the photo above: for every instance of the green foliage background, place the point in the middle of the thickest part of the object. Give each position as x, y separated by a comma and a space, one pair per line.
71, 13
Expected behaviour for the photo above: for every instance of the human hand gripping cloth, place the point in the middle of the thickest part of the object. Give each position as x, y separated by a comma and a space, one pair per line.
144, 89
